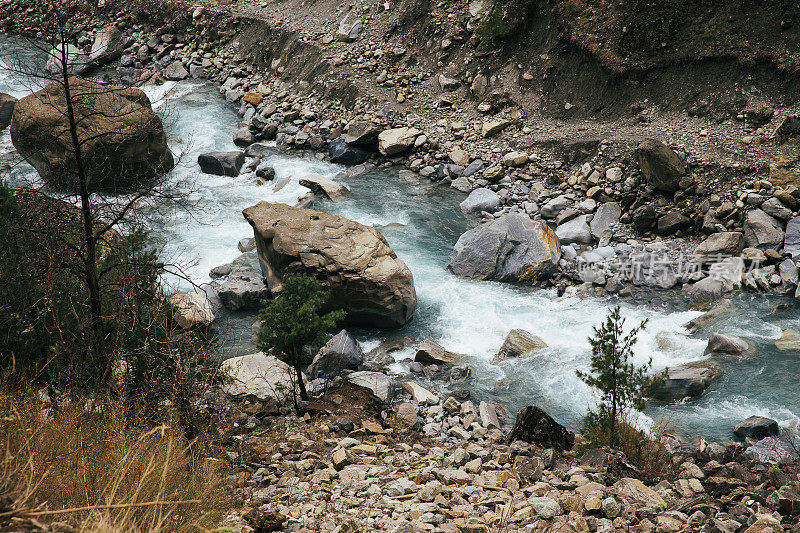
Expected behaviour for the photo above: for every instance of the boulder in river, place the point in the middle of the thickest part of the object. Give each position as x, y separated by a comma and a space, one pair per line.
343, 153
756, 428
510, 248
77, 62
122, 140
789, 341
192, 310
535, 426
326, 187
7, 103
519, 342
480, 200
221, 163
718, 311
430, 352
341, 352
684, 381
242, 290
729, 345
108, 45
353, 262
662, 167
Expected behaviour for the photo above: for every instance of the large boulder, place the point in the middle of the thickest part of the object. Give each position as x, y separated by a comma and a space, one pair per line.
192, 310
535, 426
729, 345
343, 153
123, 144
662, 167
397, 140
325, 186
606, 216
430, 352
342, 352
723, 243
107, 46
242, 289
756, 427
519, 342
789, 341
353, 262
221, 163
684, 381
480, 200
576, 230
77, 62
791, 241
762, 231
7, 103
260, 375
510, 248
363, 135
381, 385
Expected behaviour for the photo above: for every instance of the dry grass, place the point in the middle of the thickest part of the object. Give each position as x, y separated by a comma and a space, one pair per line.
89, 466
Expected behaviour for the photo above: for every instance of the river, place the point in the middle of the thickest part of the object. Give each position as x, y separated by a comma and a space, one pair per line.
422, 221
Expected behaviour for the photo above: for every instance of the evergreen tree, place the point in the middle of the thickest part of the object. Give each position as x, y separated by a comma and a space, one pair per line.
292, 321
620, 382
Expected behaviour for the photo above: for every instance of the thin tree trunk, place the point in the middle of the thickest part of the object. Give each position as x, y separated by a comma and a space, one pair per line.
90, 266
300, 383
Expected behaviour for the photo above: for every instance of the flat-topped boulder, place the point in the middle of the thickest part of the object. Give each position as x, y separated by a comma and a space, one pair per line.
353, 262
684, 381
510, 248
729, 345
123, 144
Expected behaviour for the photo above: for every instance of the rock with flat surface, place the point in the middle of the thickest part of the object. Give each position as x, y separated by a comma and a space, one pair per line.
606, 216
480, 200
420, 394
519, 342
773, 451
510, 248
662, 167
723, 243
108, 45
77, 61
349, 29
789, 341
494, 127
397, 140
684, 381
342, 352
535, 426
123, 143
326, 187
718, 311
430, 352
635, 491
762, 231
352, 262
258, 374
729, 345
192, 310
242, 290
176, 71
576, 230
756, 428
221, 163
381, 385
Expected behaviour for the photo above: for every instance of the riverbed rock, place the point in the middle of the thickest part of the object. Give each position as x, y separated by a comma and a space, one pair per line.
684, 381
729, 345
519, 342
576, 230
381, 385
718, 311
789, 341
353, 262
661, 165
258, 374
77, 62
756, 428
535, 426
176, 71
606, 216
343, 153
7, 103
123, 140
791, 240
108, 45
326, 187
221, 163
342, 352
397, 140
480, 200
192, 310
762, 231
430, 352
510, 248
420, 394
723, 243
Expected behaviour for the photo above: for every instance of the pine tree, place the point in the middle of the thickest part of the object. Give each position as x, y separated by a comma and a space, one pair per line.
292, 321
620, 382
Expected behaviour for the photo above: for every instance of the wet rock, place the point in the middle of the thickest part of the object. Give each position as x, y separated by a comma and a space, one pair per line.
662, 167
510, 248
729, 345
519, 342
576, 230
396, 141
535, 426
7, 103
265, 172
77, 61
789, 341
342, 352
327, 187
221, 163
606, 216
258, 374
431, 353
123, 140
480, 200
192, 310
353, 262
756, 428
762, 231
343, 153
684, 381
724, 243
